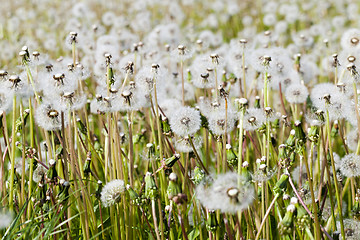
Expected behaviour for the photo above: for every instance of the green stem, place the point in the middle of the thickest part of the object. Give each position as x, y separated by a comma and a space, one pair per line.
316, 217
12, 174
338, 198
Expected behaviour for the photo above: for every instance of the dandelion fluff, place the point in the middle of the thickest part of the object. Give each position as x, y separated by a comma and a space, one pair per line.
111, 192
229, 193
186, 121
296, 93
350, 165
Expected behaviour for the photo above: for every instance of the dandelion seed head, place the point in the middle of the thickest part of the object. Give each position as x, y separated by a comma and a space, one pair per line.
350, 39
254, 118
296, 93
229, 193
184, 145
186, 121
111, 192
352, 139
39, 173
5, 219
219, 122
48, 115
352, 229
350, 165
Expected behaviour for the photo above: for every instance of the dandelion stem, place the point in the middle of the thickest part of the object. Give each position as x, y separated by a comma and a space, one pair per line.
153, 207
266, 215
182, 81
12, 173
338, 197
314, 205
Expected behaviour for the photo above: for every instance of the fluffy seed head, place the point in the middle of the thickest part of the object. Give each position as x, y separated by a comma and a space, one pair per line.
229, 193
111, 192
296, 93
350, 165
186, 121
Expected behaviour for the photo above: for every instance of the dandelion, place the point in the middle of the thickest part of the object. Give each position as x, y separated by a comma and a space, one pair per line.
229, 193
48, 116
73, 100
350, 39
352, 139
5, 100
184, 145
326, 213
186, 121
296, 93
132, 98
39, 173
100, 104
263, 174
326, 96
5, 219
315, 119
111, 192
218, 124
181, 53
350, 165
19, 165
208, 108
254, 118
18, 86
169, 106
352, 229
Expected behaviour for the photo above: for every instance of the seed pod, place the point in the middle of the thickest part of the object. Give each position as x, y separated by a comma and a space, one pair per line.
87, 165
290, 142
169, 162
174, 188
245, 172
198, 175
335, 129
64, 195
211, 223
134, 197
110, 76
81, 127
231, 156
257, 102
284, 158
299, 132
286, 224
281, 184
19, 122
140, 136
165, 126
52, 173
313, 133
151, 190
98, 190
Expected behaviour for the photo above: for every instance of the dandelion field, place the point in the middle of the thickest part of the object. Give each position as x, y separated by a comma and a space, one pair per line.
179, 119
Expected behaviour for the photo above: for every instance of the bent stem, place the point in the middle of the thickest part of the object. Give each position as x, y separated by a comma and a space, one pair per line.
266, 215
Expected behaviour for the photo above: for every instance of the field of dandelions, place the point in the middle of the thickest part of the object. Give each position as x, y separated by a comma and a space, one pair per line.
162, 119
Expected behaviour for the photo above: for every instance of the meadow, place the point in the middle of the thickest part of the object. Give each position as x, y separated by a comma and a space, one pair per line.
189, 119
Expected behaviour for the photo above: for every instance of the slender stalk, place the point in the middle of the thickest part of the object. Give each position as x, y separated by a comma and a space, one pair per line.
131, 148
12, 169
265, 216
315, 208
153, 208
182, 82
338, 197
241, 136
